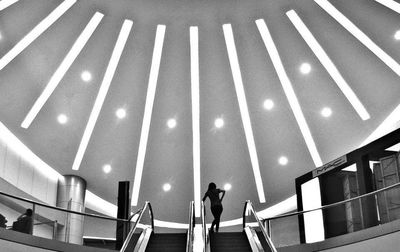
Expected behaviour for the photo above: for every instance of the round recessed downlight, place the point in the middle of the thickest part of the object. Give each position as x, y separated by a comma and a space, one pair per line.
283, 160
107, 168
120, 113
171, 123
227, 187
86, 76
268, 104
219, 123
62, 119
166, 187
326, 112
305, 68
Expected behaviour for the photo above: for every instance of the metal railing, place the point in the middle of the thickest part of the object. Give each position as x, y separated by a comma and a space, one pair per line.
357, 200
192, 222
146, 206
248, 206
36, 203
50, 221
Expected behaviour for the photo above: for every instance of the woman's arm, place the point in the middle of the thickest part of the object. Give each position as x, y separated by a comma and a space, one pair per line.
223, 194
205, 197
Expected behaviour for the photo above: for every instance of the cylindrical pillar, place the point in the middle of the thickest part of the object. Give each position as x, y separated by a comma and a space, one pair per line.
71, 195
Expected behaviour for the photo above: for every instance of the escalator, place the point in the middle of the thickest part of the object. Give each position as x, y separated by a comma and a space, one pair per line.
232, 241
167, 242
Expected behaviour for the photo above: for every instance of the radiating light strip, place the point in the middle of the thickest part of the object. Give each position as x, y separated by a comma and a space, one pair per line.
288, 89
356, 32
5, 3
244, 111
194, 73
108, 76
36, 32
148, 110
395, 6
328, 64
63, 68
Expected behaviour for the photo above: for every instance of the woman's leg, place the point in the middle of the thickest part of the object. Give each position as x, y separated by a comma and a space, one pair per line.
216, 211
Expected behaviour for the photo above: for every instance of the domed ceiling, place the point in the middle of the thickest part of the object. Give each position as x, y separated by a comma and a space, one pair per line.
259, 109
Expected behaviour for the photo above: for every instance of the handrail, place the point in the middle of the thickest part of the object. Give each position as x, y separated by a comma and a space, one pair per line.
333, 204
132, 231
249, 205
203, 224
61, 209
189, 238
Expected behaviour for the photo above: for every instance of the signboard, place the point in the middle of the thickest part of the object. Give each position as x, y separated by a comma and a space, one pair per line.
329, 166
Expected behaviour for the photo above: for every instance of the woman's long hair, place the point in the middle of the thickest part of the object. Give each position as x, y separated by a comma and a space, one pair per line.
212, 186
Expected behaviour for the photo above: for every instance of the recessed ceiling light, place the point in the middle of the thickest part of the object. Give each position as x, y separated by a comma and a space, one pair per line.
283, 160
227, 187
107, 168
397, 35
62, 118
86, 76
120, 113
171, 123
289, 91
101, 95
62, 68
166, 187
326, 112
219, 123
305, 68
268, 104
328, 64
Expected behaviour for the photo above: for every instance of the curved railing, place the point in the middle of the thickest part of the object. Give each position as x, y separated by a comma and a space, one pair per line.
146, 206
190, 234
356, 200
248, 206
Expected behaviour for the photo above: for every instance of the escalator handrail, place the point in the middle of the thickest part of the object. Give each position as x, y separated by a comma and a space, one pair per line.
203, 224
189, 238
132, 231
249, 206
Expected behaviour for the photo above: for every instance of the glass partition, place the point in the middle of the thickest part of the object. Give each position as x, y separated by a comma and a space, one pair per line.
284, 229
41, 220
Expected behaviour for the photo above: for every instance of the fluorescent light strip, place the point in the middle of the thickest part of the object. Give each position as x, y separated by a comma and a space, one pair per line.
151, 91
356, 32
36, 32
63, 68
289, 92
194, 71
244, 111
5, 3
112, 66
395, 6
328, 64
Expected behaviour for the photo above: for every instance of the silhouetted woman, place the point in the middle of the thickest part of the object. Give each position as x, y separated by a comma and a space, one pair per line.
216, 205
